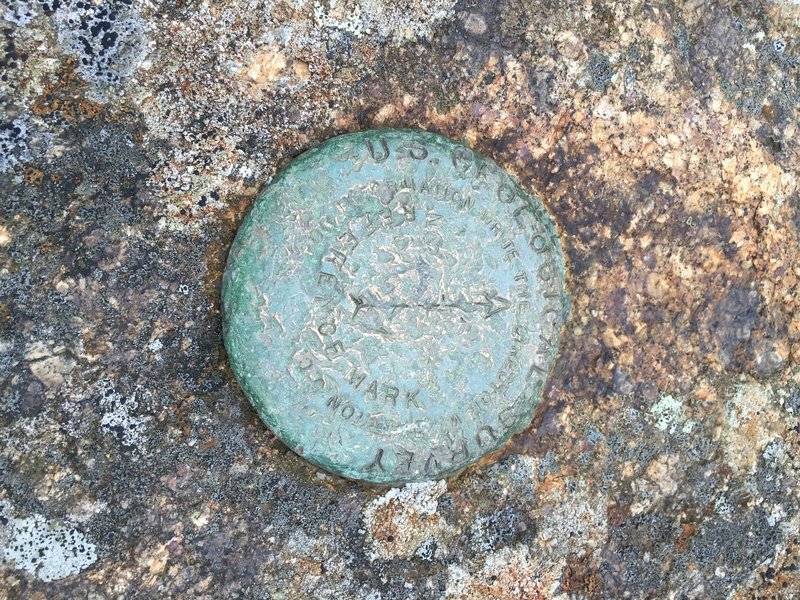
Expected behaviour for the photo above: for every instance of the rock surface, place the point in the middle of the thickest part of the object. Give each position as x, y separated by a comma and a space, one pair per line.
663, 136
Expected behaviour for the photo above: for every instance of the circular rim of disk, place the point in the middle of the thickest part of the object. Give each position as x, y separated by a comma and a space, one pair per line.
392, 305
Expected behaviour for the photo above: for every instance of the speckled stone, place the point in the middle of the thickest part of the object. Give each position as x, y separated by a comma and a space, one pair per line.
662, 136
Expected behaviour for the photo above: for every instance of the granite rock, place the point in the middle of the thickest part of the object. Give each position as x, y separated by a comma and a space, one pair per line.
663, 137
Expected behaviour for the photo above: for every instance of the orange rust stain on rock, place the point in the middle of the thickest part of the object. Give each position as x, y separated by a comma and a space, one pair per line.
217, 253
209, 443
618, 514
64, 96
33, 176
687, 533
582, 577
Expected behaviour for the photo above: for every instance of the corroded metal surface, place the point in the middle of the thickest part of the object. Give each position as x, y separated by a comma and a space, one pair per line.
393, 304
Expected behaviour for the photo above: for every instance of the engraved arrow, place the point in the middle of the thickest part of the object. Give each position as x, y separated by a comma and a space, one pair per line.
494, 304
359, 302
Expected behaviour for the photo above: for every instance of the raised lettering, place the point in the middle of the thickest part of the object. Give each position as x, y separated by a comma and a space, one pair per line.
327, 329
511, 251
319, 383
488, 432
433, 217
336, 257
372, 390
303, 360
539, 243
462, 160
325, 277
348, 239
505, 193
546, 271
407, 211
355, 377
406, 457
359, 304
432, 465
382, 153
461, 451
461, 201
411, 398
483, 169
493, 304
376, 462
335, 349
391, 394
418, 149
536, 368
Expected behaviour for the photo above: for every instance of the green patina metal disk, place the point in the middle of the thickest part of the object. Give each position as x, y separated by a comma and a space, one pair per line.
392, 305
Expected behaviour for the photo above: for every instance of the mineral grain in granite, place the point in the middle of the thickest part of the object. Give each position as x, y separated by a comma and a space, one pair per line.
663, 138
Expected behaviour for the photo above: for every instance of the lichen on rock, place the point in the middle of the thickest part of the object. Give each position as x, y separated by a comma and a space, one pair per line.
46, 552
662, 136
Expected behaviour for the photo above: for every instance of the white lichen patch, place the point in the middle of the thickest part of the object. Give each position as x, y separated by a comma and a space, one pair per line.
667, 413
45, 551
722, 506
399, 21
572, 513
404, 519
512, 572
520, 473
120, 416
752, 420
19, 12
318, 570
14, 145
107, 38
257, 69
775, 454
